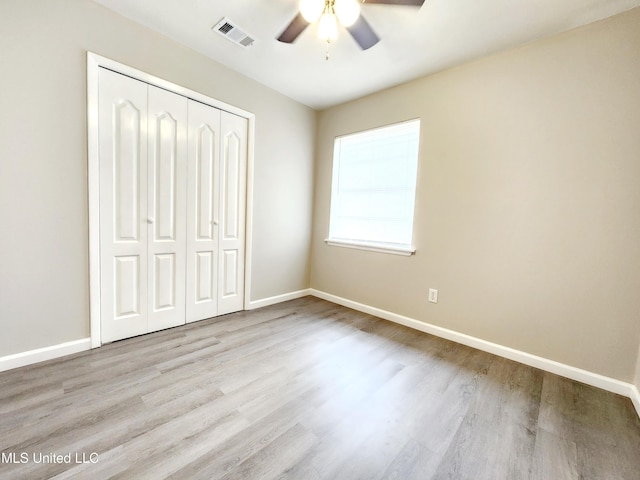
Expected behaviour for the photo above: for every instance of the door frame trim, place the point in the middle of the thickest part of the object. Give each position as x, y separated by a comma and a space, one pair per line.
94, 63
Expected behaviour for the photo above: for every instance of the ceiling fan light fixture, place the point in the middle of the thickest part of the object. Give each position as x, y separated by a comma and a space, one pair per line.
328, 27
311, 9
329, 12
347, 11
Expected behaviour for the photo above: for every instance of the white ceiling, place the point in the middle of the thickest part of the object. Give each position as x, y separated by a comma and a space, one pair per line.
414, 42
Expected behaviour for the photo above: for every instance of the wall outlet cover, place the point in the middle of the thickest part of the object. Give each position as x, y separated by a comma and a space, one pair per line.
433, 295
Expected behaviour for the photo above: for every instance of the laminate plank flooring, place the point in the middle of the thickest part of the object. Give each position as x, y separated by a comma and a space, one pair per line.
307, 390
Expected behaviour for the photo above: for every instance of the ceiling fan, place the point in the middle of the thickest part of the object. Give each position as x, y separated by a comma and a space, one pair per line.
329, 12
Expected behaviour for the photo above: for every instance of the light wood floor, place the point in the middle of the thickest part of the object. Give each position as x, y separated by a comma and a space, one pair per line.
308, 390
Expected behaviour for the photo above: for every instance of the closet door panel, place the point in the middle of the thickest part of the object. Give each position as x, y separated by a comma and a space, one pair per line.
230, 283
203, 207
166, 222
126, 279
205, 279
122, 134
164, 274
233, 205
231, 185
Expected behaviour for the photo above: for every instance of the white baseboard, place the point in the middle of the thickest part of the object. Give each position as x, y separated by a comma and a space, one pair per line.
265, 302
635, 398
41, 354
584, 376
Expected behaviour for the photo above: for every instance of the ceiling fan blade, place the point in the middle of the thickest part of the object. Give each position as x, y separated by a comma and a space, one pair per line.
363, 34
295, 28
417, 3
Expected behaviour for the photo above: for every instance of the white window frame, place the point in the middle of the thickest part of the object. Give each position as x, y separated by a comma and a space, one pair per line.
363, 244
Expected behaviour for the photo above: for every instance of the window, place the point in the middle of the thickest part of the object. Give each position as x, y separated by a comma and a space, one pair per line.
374, 188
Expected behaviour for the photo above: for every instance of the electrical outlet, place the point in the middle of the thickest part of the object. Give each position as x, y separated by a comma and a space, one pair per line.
433, 295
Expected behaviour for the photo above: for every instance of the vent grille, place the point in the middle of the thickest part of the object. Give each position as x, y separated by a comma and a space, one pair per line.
228, 30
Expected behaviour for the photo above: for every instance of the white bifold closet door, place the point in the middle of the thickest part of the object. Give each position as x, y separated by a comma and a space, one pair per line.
172, 208
203, 204
216, 212
233, 165
123, 206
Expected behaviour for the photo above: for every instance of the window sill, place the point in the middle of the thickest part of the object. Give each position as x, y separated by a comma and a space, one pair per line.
407, 252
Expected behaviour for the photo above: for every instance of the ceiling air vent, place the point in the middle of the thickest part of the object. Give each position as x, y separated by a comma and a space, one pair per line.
230, 31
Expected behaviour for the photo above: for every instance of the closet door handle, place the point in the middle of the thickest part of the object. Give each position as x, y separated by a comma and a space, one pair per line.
150, 220
215, 222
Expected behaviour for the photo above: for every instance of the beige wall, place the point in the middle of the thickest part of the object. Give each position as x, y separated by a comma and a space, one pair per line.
44, 297
528, 204
637, 378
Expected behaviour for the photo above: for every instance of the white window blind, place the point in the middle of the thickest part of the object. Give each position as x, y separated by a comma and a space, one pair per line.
374, 186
